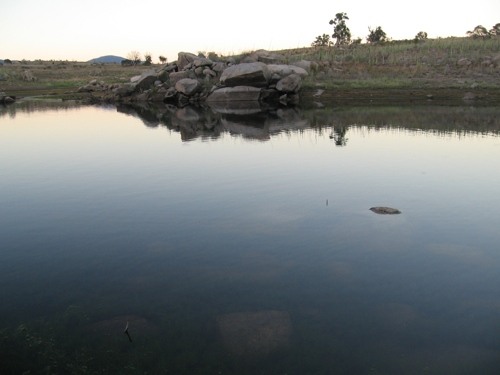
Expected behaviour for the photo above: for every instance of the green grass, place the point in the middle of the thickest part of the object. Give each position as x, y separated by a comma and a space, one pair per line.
432, 51
396, 64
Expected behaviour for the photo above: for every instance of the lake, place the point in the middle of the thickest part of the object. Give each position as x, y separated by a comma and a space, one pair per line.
193, 241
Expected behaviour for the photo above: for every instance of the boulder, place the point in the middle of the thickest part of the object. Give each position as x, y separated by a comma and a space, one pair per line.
246, 74
218, 67
92, 86
146, 80
188, 86
267, 57
209, 73
163, 75
307, 65
289, 84
5, 99
177, 76
283, 70
385, 210
202, 61
184, 59
124, 90
237, 93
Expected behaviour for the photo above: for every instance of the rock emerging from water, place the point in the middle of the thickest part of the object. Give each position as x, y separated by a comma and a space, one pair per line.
6, 99
385, 210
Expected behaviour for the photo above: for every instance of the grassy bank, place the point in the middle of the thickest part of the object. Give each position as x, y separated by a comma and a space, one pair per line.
443, 63
451, 63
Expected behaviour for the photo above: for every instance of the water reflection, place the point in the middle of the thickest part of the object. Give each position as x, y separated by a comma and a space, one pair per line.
223, 256
253, 121
262, 124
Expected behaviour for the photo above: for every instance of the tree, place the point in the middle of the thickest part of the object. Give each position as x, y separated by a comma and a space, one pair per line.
134, 56
341, 32
420, 37
322, 41
148, 58
495, 30
162, 59
479, 32
376, 36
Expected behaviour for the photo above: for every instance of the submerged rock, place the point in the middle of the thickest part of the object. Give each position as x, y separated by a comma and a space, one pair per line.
255, 333
385, 210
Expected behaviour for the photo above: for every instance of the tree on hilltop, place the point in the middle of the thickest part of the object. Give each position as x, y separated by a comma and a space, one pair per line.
341, 32
495, 30
148, 58
162, 59
376, 36
420, 37
322, 41
479, 32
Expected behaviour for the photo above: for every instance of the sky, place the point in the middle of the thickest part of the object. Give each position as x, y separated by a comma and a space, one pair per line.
85, 29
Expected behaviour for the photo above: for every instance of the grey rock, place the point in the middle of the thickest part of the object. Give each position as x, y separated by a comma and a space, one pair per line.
267, 57
146, 80
188, 86
237, 93
124, 90
246, 74
209, 73
202, 61
177, 76
218, 67
163, 75
284, 70
307, 65
289, 84
385, 210
185, 58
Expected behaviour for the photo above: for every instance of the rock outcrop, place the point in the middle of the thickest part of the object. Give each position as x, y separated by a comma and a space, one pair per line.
385, 210
6, 99
259, 77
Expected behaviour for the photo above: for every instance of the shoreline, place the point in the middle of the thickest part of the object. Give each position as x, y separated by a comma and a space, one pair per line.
309, 96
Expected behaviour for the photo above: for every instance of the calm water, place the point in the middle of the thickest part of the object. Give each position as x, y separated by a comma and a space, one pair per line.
239, 244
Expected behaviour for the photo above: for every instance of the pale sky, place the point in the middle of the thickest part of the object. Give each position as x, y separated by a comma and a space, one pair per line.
85, 29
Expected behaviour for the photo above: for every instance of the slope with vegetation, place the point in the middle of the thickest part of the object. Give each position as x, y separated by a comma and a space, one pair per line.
339, 64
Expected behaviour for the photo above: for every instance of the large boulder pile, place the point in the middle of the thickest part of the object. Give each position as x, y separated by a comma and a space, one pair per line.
258, 77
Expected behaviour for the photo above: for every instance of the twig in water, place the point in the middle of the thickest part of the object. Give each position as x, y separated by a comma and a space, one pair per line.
126, 332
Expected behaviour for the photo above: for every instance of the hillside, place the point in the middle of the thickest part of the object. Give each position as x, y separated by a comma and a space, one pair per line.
108, 59
452, 66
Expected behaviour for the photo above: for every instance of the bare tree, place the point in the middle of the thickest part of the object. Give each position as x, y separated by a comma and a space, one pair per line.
134, 56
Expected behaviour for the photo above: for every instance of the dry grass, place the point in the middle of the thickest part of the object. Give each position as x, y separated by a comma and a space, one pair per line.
399, 64
62, 75
406, 64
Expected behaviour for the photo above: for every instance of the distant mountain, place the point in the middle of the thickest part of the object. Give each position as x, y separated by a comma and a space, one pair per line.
109, 59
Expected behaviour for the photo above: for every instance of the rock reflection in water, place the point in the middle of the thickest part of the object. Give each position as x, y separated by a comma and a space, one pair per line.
247, 119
